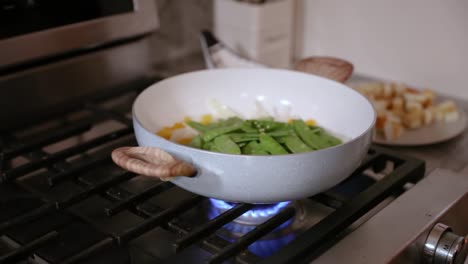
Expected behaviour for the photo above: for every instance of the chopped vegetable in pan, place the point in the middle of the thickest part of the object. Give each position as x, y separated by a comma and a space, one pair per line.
263, 136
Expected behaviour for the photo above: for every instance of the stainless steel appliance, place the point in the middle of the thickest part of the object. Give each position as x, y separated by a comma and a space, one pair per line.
35, 29
51, 51
426, 224
63, 201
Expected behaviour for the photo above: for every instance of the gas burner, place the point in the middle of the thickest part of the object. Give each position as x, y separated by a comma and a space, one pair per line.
248, 221
258, 215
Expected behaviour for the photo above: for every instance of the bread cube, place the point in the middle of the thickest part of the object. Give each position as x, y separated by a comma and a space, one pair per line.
399, 88
413, 119
393, 128
413, 106
388, 91
451, 116
428, 116
397, 104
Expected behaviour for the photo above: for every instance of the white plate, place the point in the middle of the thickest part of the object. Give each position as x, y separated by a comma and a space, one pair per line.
435, 133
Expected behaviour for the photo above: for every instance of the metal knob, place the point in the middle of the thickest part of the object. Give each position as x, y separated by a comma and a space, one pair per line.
442, 246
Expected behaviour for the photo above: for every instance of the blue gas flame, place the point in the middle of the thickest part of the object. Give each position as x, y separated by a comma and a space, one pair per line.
260, 211
249, 220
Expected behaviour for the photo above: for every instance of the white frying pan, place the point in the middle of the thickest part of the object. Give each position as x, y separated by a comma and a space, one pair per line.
243, 178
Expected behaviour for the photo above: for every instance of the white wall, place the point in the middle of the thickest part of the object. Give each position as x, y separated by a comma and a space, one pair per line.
421, 42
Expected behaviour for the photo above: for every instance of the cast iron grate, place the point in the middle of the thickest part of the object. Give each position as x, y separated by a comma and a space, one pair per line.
58, 168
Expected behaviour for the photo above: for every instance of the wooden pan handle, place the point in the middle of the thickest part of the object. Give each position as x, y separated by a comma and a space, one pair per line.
328, 67
153, 162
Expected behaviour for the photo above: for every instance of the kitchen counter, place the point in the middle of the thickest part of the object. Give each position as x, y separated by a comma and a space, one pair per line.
451, 154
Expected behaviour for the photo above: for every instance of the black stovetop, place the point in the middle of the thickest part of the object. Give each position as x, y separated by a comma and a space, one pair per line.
63, 201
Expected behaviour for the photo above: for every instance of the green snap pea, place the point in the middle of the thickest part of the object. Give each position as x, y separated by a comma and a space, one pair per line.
225, 144
214, 148
198, 126
310, 138
208, 145
248, 149
332, 140
260, 137
217, 131
197, 142
280, 140
280, 133
259, 152
243, 137
270, 145
248, 128
295, 144
254, 148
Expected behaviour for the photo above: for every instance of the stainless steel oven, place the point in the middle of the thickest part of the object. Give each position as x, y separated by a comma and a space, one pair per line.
38, 29
52, 51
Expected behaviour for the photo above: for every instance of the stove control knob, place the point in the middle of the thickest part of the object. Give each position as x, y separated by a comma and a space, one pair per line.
442, 246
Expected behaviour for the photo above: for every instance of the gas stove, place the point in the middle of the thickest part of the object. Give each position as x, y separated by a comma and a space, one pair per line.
66, 104
63, 200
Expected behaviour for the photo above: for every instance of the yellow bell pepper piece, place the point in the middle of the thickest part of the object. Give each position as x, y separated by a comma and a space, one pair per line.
185, 141
177, 126
206, 119
166, 133
311, 122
